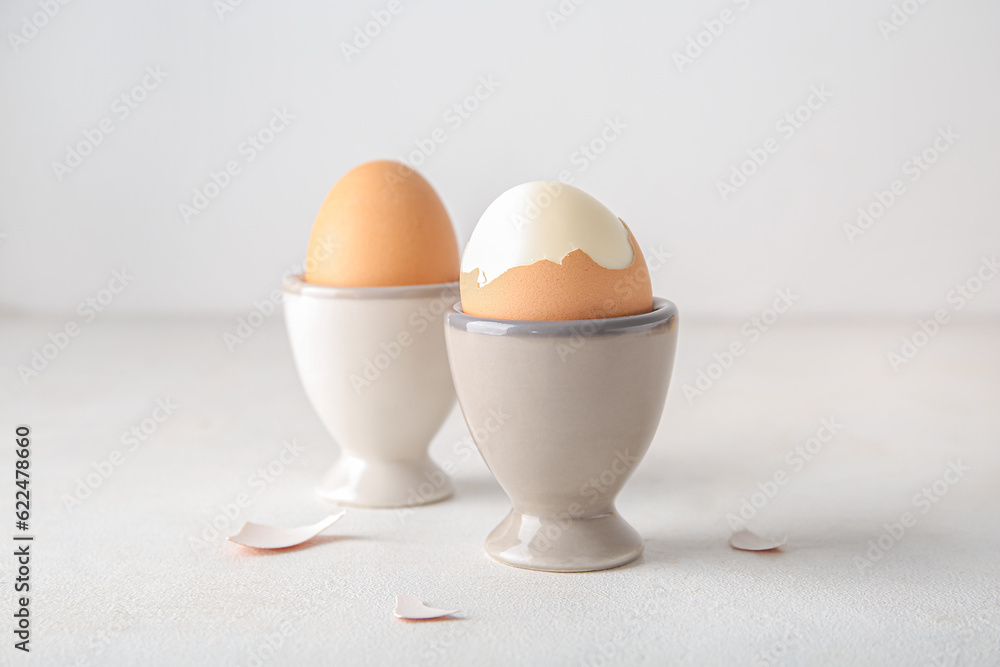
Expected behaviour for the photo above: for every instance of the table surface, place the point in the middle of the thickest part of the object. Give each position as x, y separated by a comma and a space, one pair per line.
135, 573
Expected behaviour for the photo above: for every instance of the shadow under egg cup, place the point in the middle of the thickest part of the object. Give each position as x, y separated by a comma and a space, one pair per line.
581, 401
374, 365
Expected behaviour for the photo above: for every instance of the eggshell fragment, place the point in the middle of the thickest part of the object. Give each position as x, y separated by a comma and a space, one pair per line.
744, 540
276, 537
577, 288
410, 608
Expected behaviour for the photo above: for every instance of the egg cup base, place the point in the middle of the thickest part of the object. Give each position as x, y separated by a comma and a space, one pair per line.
563, 544
357, 482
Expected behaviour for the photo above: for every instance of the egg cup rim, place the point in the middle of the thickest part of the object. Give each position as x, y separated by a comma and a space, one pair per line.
296, 284
664, 312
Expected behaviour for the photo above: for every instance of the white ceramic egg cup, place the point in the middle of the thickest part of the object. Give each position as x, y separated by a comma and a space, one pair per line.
375, 368
583, 400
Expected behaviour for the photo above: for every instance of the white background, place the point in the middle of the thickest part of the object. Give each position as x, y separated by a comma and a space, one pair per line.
225, 72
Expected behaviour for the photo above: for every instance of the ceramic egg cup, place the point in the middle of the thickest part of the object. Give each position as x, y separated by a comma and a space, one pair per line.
584, 398
374, 366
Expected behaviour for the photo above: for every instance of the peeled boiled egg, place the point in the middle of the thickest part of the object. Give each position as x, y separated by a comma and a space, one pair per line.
547, 250
382, 224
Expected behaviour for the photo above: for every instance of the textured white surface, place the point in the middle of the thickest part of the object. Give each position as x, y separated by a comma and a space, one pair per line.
127, 578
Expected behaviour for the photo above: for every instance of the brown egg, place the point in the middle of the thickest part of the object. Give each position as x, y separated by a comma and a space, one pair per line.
382, 224
576, 289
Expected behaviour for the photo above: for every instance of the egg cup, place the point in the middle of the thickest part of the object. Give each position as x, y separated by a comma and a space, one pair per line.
375, 368
582, 400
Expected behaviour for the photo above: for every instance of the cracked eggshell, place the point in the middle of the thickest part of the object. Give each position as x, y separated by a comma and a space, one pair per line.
410, 608
547, 250
744, 540
258, 536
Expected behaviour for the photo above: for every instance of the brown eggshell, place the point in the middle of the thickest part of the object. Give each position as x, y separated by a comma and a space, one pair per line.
382, 224
577, 289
